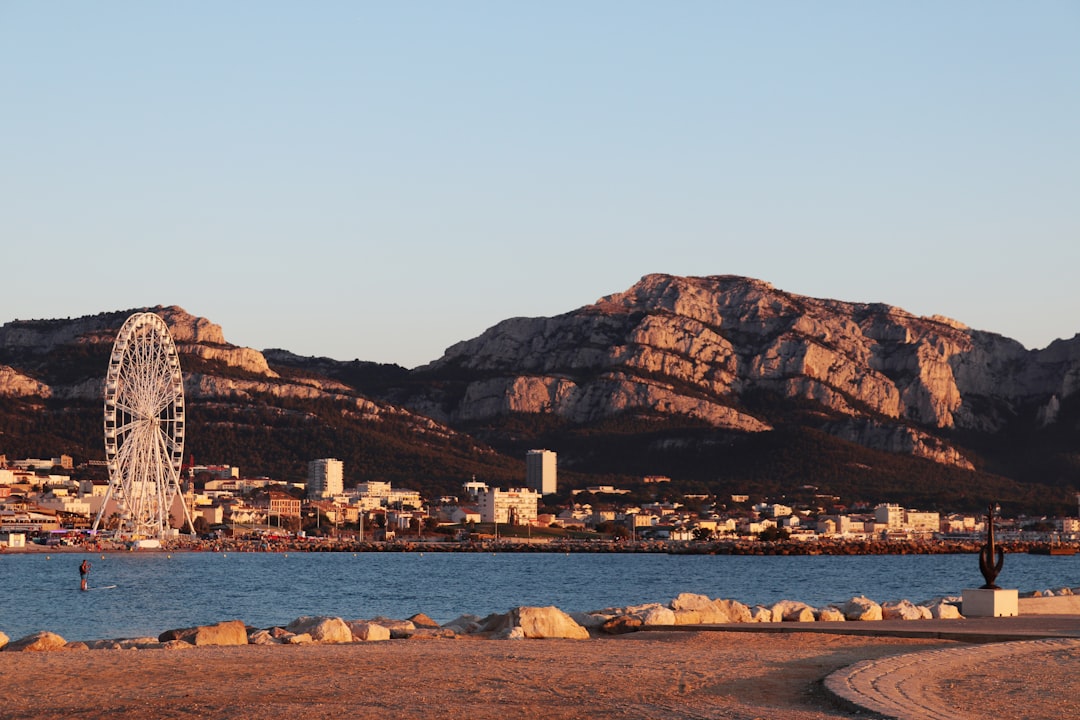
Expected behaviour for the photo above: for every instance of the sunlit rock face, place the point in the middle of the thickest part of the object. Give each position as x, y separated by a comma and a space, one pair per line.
703, 348
14, 384
214, 370
695, 346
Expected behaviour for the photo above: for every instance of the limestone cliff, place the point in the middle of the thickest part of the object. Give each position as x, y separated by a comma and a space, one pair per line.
704, 348
695, 346
198, 342
14, 384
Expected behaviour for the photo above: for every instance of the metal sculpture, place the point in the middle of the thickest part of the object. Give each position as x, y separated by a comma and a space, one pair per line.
991, 555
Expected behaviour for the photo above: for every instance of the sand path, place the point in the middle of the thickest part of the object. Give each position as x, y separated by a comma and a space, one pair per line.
654, 675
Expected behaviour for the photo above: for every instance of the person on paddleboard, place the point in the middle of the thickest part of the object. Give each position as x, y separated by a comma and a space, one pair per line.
84, 571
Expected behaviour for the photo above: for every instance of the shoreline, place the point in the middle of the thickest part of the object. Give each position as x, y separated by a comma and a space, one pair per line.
722, 547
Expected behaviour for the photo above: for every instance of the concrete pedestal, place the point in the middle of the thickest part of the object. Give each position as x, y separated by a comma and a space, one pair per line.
990, 603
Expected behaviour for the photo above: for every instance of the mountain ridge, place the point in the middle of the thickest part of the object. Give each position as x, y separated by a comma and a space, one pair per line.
698, 365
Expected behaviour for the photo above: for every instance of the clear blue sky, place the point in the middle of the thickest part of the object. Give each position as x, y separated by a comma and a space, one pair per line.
379, 180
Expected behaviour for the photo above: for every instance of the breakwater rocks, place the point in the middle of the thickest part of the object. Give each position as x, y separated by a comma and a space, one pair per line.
821, 546
817, 546
688, 609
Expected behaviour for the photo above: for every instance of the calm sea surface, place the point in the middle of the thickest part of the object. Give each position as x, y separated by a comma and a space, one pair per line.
157, 592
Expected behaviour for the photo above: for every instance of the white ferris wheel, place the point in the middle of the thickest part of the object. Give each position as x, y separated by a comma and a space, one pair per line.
144, 429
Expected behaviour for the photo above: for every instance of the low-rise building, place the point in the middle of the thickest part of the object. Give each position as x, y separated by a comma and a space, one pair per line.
517, 506
922, 522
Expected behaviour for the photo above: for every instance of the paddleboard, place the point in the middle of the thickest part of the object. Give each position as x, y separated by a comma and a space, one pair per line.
102, 587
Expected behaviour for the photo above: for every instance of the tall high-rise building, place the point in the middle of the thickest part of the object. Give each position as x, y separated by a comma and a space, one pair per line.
540, 471
325, 478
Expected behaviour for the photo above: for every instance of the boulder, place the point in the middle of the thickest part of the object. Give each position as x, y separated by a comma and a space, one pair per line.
230, 632
734, 611
322, 629
4, 640
76, 645
688, 606
299, 639
368, 631
900, 610
622, 624
694, 609
464, 624
546, 622
862, 608
421, 620
495, 623
175, 645
830, 614
793, 611
762, 614
591, 621
139, 643
262, 637
104, 645
657, 615
942, 610
399, 629
43, 641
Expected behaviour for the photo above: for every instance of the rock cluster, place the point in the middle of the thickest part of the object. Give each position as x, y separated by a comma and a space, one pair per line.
693, 609
519, 623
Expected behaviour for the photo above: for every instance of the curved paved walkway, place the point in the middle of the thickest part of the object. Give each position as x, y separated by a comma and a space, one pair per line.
1031, 679
1017, 667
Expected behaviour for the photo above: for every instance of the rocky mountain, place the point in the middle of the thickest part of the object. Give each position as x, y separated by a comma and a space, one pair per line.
240, 410
723, 382
697, 347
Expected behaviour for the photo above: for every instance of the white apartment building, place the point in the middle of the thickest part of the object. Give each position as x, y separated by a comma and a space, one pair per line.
835, 525
517, 506
325, 478
378, 494
541, 471
918, 521
65, 503
891, 516
473, 487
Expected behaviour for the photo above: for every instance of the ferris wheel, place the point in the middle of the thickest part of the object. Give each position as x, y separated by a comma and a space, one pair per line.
144, 429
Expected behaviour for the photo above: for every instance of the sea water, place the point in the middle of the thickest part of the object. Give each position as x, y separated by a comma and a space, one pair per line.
157, 591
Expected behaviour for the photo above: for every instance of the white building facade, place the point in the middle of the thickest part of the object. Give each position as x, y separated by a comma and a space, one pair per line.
517, 506
325, 478
891, 516
541, 471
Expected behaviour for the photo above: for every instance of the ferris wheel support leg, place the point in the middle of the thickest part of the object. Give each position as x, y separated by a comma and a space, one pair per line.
187, 514
101, 510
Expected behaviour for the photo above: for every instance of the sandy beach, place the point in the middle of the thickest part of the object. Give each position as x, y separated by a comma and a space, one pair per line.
643, 675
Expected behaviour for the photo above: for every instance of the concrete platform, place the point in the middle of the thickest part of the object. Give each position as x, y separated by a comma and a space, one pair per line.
906, 687
970, 630
900, 687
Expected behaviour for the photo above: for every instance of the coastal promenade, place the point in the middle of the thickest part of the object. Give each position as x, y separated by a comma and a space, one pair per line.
709, 672
1009, 667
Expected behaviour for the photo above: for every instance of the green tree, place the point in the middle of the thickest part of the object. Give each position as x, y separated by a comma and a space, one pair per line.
703, 534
